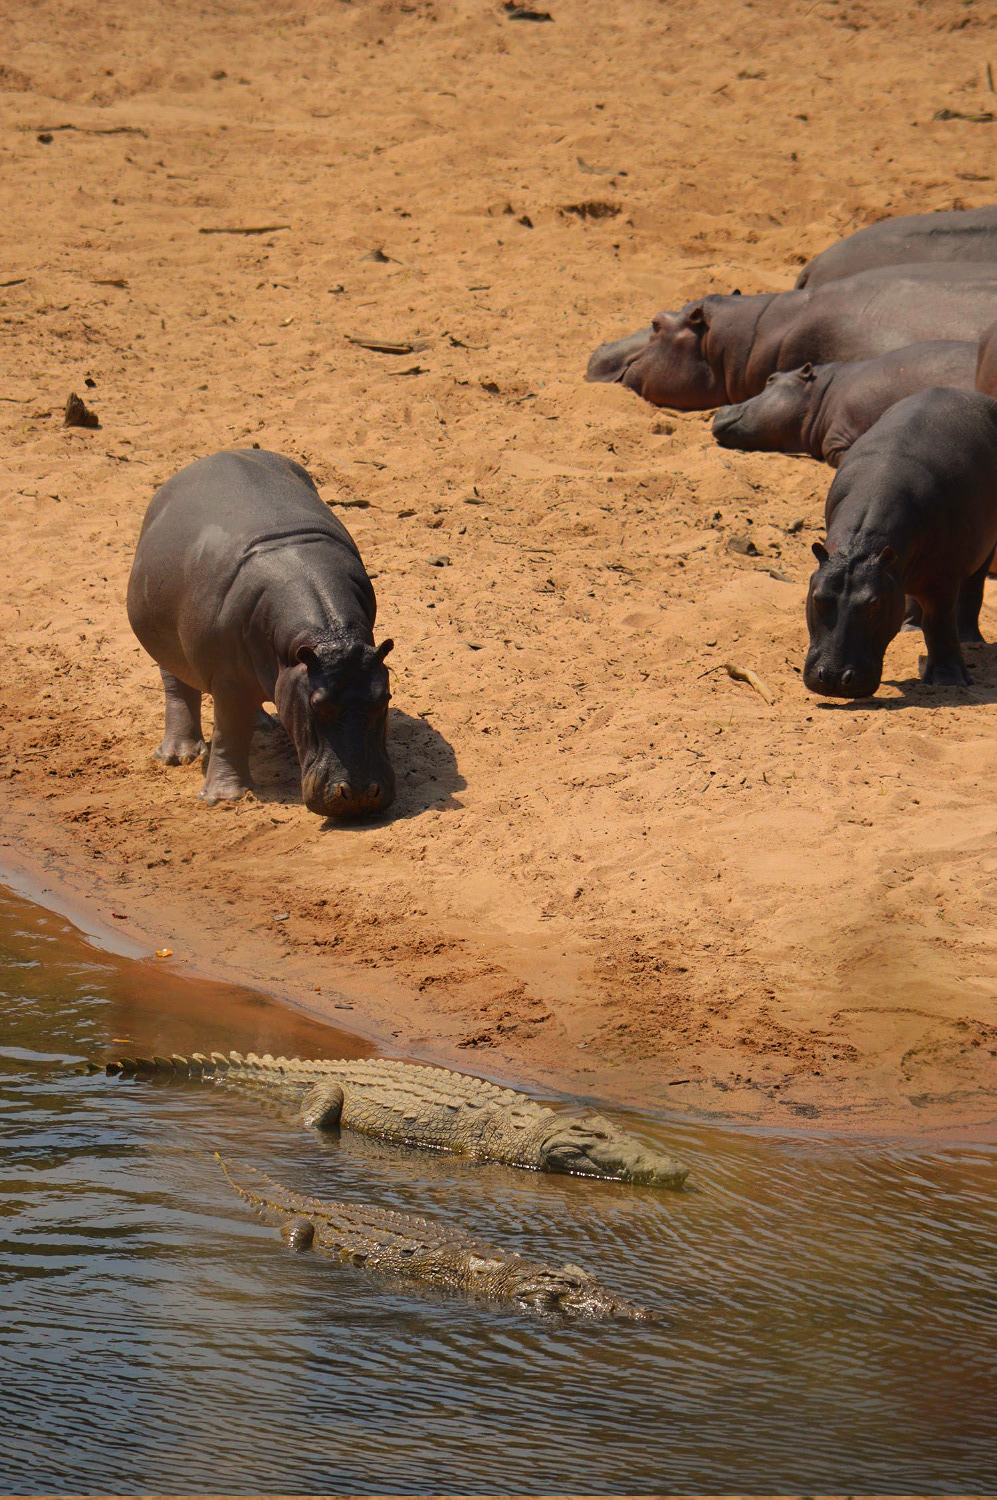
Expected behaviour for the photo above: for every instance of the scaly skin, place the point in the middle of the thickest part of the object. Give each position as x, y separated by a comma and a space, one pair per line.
429, 1107
396, 1244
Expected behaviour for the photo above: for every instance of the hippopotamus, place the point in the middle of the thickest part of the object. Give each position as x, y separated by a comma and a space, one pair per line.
912, 511
986, 362
965, 234
246, 587
719, 350
822, 409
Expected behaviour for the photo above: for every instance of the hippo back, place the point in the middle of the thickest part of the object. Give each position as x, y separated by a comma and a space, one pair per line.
968, 235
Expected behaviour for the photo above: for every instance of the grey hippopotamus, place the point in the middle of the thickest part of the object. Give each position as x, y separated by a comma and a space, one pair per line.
986, 362
967, 235
244, 586
822, 409
912, 510
720, 350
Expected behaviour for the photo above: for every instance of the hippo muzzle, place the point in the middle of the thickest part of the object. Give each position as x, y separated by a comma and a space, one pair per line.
725, 428
823, 674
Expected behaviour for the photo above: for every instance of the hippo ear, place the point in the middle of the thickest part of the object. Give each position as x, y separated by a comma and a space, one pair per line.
306, 656
820, 552
696, 316
384, 648
807, 372
736, 292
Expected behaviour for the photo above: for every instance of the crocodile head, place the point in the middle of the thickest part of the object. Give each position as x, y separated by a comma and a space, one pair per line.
592, 1147
572, 1292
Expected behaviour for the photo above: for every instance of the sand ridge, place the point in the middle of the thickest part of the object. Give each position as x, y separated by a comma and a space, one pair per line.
610, 868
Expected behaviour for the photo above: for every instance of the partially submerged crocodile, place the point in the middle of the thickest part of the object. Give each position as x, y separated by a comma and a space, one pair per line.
431, 1107
397, 1244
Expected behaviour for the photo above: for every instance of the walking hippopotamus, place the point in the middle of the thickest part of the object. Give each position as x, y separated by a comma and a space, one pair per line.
966, 234
912, 510
822, 409
986, 362
720, 350
244, 586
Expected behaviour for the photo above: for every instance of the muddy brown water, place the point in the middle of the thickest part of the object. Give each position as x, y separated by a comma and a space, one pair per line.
830, 1306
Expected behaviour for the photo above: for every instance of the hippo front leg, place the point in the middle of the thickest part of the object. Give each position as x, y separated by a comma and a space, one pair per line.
228, 776
183, 741
945, 666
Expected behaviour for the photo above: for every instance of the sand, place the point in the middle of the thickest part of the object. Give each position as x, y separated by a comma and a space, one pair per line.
610, 869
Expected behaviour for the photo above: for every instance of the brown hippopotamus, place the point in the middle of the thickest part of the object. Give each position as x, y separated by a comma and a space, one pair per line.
912, 510
986, 362
968, 235
720, 350
244, 586
822, 409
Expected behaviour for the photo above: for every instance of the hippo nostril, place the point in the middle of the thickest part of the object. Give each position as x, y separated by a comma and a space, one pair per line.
847, 677
374, 791
341, 792
820, 674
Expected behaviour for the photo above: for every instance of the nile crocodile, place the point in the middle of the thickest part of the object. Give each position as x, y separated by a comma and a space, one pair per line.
397, 1244
430, 1107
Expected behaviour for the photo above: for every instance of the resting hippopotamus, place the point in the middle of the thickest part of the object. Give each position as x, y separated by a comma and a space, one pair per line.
986, 362
822, 409
244, 586
966, 234
721, 349
913, 509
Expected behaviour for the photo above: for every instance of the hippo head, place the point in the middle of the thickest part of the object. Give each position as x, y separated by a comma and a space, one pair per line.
855, 606
595, 1148
333, 701
667, 363
772, 421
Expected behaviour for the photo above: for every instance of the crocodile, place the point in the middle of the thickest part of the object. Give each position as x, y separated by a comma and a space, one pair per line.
399, 1244
429, 1107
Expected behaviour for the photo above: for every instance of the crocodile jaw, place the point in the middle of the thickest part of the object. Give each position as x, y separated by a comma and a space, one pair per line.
592, 1147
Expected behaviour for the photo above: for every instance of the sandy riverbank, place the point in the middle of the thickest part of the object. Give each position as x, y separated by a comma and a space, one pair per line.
609, 867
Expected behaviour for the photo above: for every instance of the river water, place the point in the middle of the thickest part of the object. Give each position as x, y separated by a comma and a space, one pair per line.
830, 1306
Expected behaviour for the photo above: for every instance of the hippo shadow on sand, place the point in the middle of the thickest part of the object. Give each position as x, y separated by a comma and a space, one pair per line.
981, 663
425, 765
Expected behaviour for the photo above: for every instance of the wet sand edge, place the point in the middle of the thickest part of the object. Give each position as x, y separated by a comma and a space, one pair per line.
40, 861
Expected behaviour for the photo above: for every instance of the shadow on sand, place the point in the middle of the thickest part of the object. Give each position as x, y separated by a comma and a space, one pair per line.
981, 663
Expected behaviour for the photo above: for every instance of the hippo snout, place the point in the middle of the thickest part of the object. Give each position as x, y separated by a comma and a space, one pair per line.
349, 798
725, 423
820, 676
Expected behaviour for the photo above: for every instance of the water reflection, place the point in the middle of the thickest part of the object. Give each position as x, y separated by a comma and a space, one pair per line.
831, 1307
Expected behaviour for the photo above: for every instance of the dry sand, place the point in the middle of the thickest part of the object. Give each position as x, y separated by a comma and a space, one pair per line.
610, 868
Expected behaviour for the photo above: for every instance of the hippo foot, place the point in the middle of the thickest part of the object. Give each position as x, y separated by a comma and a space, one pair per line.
224, 789
946, 674
179, 752
969, 635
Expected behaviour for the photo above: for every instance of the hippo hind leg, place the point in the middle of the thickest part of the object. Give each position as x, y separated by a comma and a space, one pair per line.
183, 740
945, 666
227, 778
970, 602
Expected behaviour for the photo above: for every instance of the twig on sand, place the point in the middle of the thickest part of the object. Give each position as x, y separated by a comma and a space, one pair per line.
386, 346
745, 674
248, 229
89, 129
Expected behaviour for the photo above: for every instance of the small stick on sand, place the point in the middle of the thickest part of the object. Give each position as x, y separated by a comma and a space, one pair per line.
745, 674
252, 229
